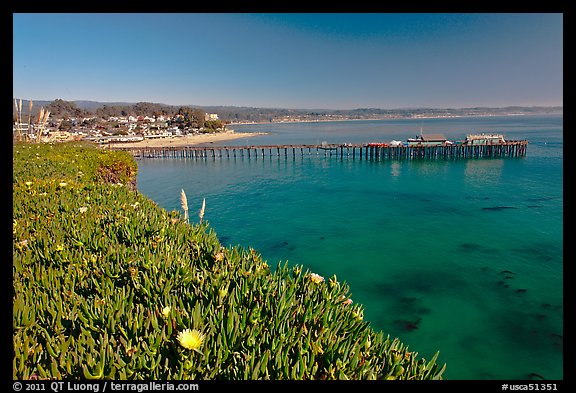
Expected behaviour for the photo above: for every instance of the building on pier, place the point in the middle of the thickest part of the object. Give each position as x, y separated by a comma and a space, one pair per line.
484, 139
428, 140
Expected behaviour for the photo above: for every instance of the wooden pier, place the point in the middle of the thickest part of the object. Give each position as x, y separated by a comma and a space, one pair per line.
355, 151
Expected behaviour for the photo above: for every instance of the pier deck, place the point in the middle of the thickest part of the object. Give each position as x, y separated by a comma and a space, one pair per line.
355, 151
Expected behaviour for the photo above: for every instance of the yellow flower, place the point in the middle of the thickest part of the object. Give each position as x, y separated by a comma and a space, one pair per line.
166, 311
191, 339
28, 183
316, 278
59, 247
334, 281
62, 184
358, 313
83, 209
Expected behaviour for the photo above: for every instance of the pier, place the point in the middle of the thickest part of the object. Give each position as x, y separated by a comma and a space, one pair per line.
368, 152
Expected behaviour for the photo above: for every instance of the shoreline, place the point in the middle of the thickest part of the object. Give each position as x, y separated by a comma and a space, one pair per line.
186, 140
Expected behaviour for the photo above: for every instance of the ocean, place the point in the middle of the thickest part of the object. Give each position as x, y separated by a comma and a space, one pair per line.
460, 256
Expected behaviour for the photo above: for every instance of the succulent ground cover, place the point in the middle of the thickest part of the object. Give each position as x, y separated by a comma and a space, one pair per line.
106, 284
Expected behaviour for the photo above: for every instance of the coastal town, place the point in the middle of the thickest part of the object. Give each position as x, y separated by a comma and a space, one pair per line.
113, 129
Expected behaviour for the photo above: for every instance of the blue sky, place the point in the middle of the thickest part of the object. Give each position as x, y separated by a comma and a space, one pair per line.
304, 61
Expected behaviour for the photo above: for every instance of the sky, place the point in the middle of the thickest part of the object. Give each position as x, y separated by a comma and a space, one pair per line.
292, 60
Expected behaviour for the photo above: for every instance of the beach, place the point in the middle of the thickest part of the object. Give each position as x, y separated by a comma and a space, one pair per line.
187, 140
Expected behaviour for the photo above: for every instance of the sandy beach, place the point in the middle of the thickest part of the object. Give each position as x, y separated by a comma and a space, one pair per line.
186, 140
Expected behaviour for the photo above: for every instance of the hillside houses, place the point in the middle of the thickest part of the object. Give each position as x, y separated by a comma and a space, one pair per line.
101, 130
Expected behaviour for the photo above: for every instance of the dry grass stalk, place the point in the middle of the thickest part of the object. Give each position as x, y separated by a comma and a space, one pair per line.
42, 119
184, 204
18, 118
18, 136
20, 115
16, 107
201, 214
46, 115
29, 115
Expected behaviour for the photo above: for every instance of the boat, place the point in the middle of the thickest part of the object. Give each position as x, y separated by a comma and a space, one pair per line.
377, 144
416, 139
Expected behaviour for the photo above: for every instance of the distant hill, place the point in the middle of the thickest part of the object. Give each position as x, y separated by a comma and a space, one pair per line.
93, 105
86, 108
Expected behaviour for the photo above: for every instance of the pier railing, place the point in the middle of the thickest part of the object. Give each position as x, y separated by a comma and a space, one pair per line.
355, 151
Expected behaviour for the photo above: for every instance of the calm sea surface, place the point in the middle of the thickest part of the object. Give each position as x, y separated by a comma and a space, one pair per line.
459, 256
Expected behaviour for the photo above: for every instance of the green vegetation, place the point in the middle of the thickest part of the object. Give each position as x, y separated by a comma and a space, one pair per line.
109, 285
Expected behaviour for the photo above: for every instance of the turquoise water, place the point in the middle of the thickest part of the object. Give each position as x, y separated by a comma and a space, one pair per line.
464, 257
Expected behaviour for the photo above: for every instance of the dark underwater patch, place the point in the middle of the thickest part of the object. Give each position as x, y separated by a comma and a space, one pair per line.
283, 246
470, 246
557, 339
544, 251
475, 247
540, 317
413, 305
541, 199
474, 197
497, 208
503, 284
405, 325
535, 376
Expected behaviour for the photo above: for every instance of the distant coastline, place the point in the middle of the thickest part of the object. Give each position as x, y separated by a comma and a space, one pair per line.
262, 115
394, 118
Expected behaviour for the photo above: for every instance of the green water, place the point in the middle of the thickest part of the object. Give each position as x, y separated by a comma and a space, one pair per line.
464, 257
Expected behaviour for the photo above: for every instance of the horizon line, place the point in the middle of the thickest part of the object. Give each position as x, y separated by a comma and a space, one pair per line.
324, 109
